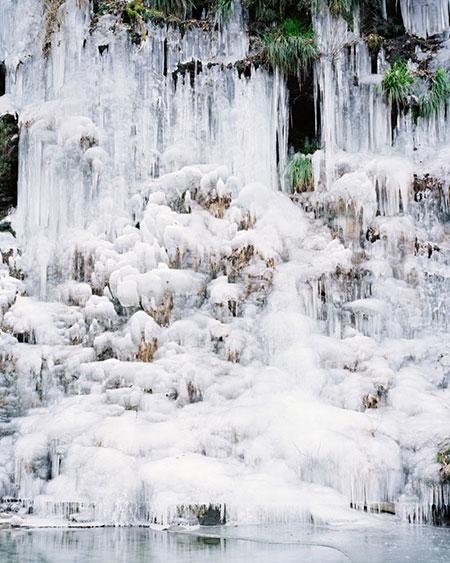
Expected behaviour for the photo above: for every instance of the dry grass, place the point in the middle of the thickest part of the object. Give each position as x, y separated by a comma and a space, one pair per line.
51, 23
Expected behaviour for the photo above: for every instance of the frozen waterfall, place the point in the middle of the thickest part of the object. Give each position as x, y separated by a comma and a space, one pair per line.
182, 339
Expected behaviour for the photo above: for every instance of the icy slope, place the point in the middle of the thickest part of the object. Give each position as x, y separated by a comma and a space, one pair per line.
186, 335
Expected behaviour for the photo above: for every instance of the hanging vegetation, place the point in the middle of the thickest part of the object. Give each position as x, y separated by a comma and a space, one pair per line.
290, 46
397, 84
404, 88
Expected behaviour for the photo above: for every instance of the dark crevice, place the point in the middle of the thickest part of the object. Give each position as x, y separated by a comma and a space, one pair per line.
2, 79
302, 122
190, 69
372, 21
374, 61
9, 163
165, 57
102, 49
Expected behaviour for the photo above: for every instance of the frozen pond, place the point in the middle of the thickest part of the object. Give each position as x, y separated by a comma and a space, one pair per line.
248, 543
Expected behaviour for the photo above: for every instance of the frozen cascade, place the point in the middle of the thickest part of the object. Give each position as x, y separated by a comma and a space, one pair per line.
424, 18
76, 109
365, 191
190, 341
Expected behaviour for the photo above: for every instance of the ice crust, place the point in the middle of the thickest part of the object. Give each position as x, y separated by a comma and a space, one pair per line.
187, 334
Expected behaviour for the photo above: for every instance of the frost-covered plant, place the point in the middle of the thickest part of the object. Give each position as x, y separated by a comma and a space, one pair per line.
375, 42
136, 13
300, 173
51, 21
290, 47
397, 83
443, 458
438, 95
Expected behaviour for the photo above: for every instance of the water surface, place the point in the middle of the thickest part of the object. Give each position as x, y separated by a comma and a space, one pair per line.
225, 544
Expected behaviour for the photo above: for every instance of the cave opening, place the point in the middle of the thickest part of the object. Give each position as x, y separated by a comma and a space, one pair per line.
303, 133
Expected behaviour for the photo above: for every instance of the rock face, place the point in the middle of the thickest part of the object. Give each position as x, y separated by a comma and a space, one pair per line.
179, 333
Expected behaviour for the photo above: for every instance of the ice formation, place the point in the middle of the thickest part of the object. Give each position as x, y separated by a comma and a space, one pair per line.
424, 18
188, 338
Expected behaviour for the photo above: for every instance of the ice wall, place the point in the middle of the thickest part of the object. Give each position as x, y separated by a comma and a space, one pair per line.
189, 341
424, 18
373, 188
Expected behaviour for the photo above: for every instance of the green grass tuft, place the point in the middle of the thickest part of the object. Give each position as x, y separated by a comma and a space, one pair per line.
397, 84
300, 173
438, 95
290, 47
400, 86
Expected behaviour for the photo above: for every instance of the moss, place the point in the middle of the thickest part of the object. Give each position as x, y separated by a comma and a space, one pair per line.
134, 11
137, 13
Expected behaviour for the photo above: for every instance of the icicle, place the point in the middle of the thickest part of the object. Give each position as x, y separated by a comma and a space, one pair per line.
425, 17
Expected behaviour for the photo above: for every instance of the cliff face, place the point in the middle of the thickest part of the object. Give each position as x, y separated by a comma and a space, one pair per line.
183, 336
